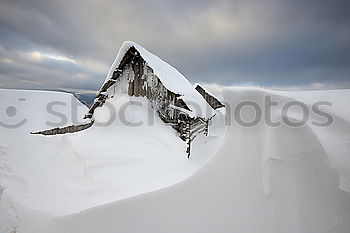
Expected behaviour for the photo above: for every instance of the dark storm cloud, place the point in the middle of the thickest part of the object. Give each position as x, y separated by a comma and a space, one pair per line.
61, 44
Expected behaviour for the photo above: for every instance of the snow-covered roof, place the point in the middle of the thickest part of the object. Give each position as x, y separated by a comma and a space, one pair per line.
171, 78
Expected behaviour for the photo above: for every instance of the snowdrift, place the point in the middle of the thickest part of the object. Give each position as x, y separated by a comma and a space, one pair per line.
261, 179
64, 174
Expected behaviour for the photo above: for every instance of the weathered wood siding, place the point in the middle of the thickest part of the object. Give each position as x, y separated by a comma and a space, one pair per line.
143, 82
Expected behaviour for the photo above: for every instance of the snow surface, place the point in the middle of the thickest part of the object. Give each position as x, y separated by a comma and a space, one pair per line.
334, 139
119, 178
65, 174
171, 78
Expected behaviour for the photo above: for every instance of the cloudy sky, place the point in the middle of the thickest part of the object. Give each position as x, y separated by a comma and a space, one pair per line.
56, 44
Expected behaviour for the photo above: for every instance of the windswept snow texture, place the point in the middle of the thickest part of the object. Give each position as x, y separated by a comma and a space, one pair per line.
334, 139
261, 179
171, 78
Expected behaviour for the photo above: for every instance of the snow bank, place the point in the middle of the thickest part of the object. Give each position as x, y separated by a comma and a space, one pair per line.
65, 174
172, 79
335, 139
24, 111
261, 179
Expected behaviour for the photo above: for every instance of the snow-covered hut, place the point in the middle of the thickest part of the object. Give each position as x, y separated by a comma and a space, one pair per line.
186, 108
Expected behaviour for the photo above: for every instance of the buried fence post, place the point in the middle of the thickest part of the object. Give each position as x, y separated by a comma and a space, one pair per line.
188, 140
188, 148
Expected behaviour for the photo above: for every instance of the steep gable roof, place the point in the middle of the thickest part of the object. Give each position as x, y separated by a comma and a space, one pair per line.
171, 78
